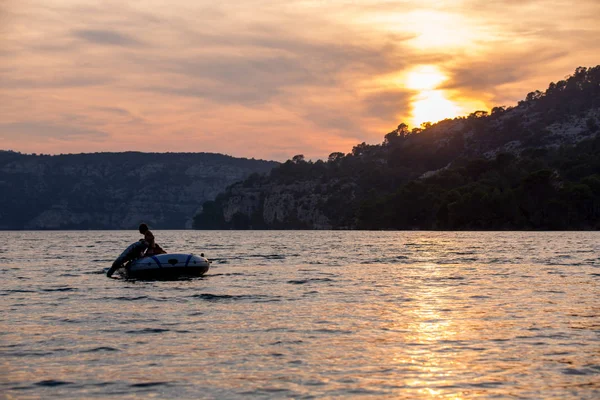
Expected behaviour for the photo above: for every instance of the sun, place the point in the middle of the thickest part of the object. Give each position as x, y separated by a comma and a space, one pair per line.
433, 106
430, 101
430, 104
425, 77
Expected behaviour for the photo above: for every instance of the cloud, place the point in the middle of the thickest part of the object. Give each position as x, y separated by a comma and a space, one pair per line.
106, 37
49, 130
222, 95
499, 69
42, 82
261, 65
333, 119
387, 105
115, 110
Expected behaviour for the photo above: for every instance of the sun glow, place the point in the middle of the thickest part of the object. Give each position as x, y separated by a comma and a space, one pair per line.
433, 106
430, 101
430, 29
430, 104
440, 30
425, 77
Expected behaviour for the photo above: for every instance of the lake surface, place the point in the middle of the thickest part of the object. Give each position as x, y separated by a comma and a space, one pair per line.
305, 314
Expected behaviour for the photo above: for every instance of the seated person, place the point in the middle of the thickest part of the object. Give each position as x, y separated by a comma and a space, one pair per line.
153, 248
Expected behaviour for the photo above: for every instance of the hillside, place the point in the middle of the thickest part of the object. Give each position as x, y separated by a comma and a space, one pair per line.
113, 190
532, 166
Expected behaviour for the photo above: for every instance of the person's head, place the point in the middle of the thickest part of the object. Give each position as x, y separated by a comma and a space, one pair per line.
143, 228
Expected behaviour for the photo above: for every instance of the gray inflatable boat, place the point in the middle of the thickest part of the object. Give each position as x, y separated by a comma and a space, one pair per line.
161, 266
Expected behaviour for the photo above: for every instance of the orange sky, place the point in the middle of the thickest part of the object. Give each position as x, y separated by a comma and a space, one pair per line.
270, 79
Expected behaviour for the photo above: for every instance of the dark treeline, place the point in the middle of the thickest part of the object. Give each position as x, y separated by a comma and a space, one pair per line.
542, 190
128, 159
545, 181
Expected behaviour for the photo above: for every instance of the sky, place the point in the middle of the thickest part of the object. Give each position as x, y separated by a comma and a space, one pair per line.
270, 79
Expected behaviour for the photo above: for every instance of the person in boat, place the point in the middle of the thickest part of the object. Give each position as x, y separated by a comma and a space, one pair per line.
153, 248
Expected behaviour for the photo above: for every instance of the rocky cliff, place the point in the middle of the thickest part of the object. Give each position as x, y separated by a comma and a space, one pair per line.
114, 190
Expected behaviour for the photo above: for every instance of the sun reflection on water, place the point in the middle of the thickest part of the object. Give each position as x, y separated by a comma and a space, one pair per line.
428, 331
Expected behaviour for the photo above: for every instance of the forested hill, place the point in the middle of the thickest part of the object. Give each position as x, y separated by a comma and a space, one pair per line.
113, 190
535, 165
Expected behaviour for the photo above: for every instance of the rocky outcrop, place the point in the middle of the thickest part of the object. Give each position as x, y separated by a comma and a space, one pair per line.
114, 190
295, 205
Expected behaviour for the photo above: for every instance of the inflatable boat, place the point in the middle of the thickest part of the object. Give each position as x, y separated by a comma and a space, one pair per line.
161, 266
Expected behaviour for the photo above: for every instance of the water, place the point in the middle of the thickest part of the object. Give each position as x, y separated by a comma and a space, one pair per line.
305, 314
